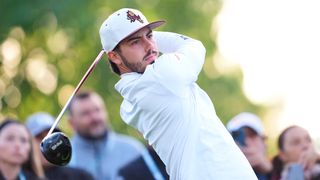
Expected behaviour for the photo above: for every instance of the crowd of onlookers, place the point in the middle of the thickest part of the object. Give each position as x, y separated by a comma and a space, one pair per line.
100, 153
97, 151
297, 157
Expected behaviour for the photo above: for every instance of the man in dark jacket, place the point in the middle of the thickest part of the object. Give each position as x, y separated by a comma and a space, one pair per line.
148, 166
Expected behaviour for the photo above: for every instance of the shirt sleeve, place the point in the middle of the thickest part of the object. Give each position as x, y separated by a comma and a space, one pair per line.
181, 61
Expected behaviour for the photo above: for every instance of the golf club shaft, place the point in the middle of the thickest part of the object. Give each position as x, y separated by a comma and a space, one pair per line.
93, 65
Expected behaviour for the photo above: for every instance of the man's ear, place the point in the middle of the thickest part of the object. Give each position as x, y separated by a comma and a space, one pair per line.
114, 57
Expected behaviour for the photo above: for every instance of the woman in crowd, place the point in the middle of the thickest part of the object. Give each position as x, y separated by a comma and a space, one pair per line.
17, 160
297, 156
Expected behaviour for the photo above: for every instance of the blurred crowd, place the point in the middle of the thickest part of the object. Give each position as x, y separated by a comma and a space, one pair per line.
296, 159
100, 153
97, 151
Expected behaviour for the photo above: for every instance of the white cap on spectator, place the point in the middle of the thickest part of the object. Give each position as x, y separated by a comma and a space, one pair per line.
246, 119
39, 122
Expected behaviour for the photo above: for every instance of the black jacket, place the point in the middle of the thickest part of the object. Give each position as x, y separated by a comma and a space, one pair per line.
138, 169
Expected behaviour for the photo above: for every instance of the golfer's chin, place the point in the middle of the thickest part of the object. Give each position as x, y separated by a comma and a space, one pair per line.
152, 62
150, 59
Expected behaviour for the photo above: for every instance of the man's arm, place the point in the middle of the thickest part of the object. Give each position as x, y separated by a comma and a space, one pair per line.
182, 58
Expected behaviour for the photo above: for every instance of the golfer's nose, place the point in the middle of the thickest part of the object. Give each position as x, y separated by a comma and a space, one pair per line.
148, 43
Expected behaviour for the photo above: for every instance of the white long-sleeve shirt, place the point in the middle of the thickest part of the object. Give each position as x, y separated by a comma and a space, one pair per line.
177, 117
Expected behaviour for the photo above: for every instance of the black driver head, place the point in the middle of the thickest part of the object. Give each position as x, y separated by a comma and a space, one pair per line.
56, 148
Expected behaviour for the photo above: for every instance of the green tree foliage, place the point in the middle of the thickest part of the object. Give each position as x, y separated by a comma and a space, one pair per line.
47, 46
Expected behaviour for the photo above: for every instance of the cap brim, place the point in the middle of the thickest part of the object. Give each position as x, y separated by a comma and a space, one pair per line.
155, 24
151, 25
46, 129
255, 131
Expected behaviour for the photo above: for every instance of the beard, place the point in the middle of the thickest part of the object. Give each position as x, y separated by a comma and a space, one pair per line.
94, 133
138, 66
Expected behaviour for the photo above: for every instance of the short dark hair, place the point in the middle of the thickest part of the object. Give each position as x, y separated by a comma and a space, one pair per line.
113, 65
79, 96
281, 138
8, 121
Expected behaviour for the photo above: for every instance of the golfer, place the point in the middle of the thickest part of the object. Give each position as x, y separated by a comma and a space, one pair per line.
162, 100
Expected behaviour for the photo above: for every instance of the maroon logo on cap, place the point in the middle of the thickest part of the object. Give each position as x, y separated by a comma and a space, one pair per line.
133, 17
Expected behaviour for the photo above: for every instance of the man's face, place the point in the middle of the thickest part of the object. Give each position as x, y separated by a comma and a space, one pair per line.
136, 52
254, 139
88, 117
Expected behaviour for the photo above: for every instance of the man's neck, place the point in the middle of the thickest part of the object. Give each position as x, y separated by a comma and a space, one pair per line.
98, 138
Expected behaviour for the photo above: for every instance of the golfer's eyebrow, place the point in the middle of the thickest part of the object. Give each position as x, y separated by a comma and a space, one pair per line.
137, 37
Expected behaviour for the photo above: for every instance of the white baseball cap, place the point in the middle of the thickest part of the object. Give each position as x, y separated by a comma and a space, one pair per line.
122, 24
246, 119
39, 122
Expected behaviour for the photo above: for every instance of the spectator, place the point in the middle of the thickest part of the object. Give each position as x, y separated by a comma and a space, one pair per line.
17, 157
297, 156
248, 132
39, 125
148, 166
95, 147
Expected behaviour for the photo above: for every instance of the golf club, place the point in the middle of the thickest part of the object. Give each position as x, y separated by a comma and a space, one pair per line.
56, 147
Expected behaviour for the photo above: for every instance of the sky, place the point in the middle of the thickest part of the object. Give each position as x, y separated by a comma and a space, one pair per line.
276, 43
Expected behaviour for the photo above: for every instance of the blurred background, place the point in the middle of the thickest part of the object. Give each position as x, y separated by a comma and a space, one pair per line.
261, 56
